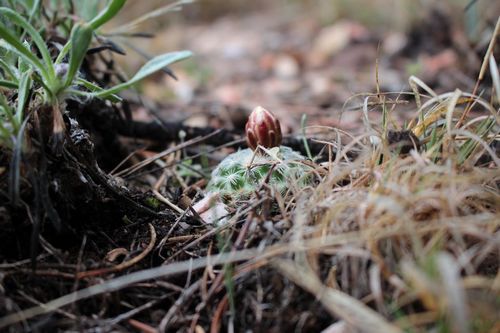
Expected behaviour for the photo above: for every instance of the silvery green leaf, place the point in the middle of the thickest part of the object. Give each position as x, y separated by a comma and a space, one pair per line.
149, 68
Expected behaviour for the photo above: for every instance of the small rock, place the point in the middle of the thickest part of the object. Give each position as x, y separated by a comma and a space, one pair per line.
334, 38
229, 94
394, 43
183, 88
319, 84
211, 209
436, 63
286, 67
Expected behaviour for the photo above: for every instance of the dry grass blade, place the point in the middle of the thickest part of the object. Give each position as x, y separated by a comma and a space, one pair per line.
167, 202
338, 303
484, 66
142, 327
175, 308
122, 266
450, 275
146, 162
125, 281
489, 52
127, 28
495, 75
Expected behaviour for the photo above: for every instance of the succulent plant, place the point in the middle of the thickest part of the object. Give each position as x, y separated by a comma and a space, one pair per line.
244, 171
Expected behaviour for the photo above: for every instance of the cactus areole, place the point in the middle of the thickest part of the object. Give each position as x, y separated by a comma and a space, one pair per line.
244, 172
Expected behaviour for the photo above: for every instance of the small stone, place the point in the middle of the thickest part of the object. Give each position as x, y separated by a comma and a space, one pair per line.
286, 67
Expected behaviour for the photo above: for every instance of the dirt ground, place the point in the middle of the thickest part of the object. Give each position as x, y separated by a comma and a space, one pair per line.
310, 59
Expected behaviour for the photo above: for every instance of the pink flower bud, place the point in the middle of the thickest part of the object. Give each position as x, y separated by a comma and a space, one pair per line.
263, 129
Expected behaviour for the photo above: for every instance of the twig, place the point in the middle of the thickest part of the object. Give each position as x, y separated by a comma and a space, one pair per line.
218, 229
164, 153
42, 272
172, 228
124, 265
143, 327
217, 283
167, 202
136, 310
216, 319
174, 309
453, 224
22, 262
127, 280
102, 179
34, 301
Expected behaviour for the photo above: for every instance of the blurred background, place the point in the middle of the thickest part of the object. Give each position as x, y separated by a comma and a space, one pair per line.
299, 57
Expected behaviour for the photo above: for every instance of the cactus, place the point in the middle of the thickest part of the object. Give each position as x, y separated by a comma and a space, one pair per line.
244, 171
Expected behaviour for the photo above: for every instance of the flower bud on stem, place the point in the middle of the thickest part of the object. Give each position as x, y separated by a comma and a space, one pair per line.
263, 128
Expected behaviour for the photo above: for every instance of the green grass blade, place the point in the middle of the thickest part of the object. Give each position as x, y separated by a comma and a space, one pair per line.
93, 88
467, 149
34, 8
8, 84
107, 14
81, 36
303, 123
63, 52
15, 165
22, 95
7, 111
5, 135
22, 64
12, 43
35, 36
177, 5
3, 101
87, 9
9, 70
149, 68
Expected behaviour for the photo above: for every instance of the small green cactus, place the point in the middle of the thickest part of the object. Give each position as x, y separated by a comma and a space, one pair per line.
244, 172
